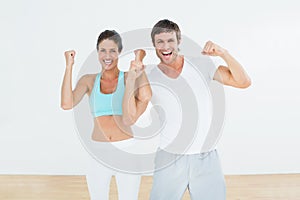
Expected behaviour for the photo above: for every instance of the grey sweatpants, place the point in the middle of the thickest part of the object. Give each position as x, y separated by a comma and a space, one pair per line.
200, 173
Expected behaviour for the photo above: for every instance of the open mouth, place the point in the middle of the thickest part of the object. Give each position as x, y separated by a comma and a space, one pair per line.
167, 53
108, 62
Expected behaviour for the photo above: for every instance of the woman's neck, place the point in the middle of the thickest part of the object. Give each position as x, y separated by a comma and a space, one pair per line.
110, 74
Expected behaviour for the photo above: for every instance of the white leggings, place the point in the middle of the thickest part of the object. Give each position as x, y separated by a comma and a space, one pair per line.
98, 179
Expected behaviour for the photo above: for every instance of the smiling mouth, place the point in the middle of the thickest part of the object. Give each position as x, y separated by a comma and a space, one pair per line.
107, 62
167, 53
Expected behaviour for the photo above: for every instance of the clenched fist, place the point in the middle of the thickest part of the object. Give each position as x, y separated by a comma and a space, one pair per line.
212, 49
136, 66
69, 56
139, 54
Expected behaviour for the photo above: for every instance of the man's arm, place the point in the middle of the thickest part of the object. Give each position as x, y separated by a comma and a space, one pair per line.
233, 74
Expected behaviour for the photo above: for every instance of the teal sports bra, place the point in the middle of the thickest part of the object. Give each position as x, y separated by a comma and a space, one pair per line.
107, 104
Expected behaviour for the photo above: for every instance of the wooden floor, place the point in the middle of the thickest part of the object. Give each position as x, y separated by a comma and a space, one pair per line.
250, 187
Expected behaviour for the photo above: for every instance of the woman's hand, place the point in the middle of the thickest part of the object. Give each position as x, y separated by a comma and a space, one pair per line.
136, 66
69, 56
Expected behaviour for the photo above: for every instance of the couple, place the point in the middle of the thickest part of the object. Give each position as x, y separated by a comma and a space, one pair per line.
117, 99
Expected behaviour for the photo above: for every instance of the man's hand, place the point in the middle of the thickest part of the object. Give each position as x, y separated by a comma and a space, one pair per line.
212, 49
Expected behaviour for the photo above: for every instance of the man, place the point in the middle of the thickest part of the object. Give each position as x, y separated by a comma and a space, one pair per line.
181, 162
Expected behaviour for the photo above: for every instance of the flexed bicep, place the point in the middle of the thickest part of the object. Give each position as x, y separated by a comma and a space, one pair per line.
69, 97
80, 90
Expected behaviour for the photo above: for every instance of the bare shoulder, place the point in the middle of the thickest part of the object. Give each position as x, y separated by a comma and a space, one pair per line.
88, 78
88, 81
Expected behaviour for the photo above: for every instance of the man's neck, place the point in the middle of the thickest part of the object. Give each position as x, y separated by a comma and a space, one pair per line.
174, 69
176, 65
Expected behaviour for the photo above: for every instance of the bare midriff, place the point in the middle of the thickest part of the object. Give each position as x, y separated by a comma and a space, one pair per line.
110, 129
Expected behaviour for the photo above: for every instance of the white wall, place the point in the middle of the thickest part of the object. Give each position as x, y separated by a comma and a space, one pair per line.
262, 131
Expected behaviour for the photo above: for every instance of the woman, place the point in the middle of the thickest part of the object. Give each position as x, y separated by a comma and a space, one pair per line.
117, 99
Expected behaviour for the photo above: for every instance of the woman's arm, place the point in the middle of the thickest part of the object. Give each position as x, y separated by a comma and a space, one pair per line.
70, 98
137, 92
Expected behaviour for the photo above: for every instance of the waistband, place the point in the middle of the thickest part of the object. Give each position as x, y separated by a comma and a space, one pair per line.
118, 144
200, 155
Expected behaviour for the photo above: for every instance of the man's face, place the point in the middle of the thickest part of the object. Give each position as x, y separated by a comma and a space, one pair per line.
166, 46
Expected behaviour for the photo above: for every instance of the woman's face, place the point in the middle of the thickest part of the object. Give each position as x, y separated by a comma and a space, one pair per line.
108, 54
